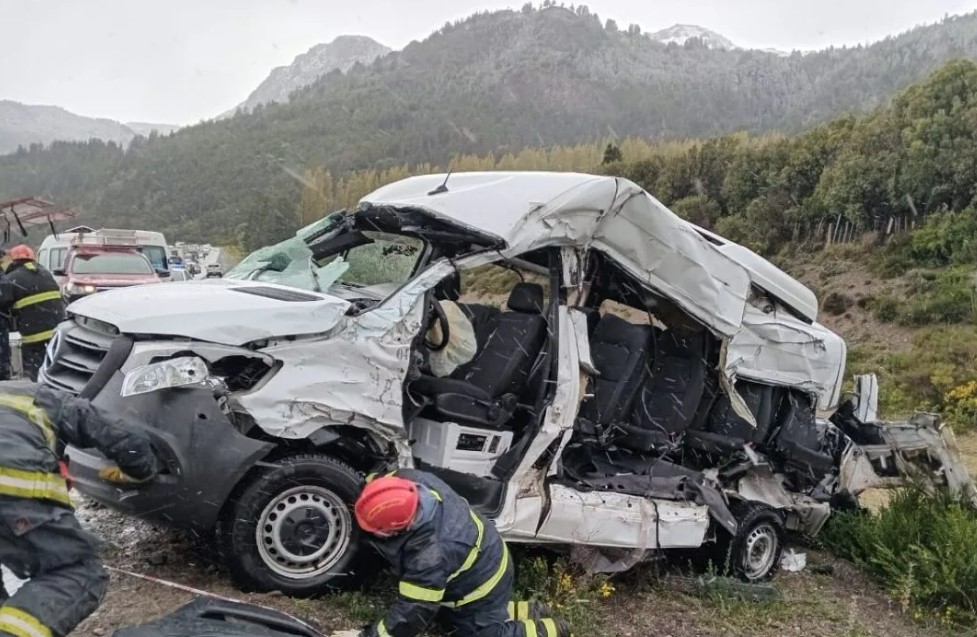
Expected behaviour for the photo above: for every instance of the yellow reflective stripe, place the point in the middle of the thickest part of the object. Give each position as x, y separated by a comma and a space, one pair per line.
437, 496
473, 554
530, 628
36, 338
550, 626
22, 624
35, 485
490, 584
382, 630
34, 299
26, 406
419, 593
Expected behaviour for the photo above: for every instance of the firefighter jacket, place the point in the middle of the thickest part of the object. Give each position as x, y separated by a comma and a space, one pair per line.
450, 557
32, 296
36, 422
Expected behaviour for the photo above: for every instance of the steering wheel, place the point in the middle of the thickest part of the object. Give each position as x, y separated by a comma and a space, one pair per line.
442, 320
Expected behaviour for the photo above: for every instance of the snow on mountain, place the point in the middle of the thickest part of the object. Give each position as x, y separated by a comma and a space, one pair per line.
680, 33
341, 54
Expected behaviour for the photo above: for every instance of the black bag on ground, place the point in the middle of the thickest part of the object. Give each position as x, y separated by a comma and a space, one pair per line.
217, 618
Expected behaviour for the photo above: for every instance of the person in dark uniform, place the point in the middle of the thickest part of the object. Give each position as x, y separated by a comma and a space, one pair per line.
447, 558
33, 299
40, 538
5, 363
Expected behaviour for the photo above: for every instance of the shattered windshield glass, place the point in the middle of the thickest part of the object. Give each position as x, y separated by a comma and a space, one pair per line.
329, 253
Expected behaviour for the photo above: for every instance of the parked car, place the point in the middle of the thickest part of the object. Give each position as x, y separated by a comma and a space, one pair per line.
647, 385
214, 270
177, 276
89, 269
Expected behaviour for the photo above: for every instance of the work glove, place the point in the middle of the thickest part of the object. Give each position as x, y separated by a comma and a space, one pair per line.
116, 475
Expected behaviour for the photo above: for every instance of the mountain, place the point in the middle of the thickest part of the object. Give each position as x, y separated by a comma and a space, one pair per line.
144, 128
23, 124
341, 55
26, 124
680, 33
494, 83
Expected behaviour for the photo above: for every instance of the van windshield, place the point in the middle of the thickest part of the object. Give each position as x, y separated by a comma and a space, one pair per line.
374, 263
156, 256
119, 263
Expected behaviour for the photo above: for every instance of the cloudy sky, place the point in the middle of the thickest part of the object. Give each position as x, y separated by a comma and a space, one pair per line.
179, 61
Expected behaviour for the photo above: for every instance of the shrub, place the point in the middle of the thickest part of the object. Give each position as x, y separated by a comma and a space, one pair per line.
887, 308
922, 546
946, 296
569, 591
934, 374
837, 303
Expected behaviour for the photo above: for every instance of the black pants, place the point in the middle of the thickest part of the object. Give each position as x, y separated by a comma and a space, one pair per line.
491, 617
32, 357
4, 348
44, 543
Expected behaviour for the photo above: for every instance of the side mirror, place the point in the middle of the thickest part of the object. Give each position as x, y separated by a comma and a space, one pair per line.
58, 272
163, 274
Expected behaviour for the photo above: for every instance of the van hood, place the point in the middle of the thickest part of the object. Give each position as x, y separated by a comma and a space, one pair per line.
217, 310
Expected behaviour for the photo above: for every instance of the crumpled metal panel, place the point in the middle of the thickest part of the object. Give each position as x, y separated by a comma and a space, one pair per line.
778, 349
603, 518
355, 378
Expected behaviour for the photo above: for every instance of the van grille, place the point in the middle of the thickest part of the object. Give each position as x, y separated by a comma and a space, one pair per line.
74, 355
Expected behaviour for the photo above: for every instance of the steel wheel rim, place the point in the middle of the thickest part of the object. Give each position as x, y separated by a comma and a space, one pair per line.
303, 532
760, 550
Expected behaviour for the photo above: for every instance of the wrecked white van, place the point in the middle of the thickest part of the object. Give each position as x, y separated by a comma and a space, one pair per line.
645, 384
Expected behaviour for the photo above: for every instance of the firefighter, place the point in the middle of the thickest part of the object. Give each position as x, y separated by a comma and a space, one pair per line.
33, 299
40, 538
447, 558
6, 367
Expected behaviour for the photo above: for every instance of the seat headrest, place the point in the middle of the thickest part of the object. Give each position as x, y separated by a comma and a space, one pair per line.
526, 298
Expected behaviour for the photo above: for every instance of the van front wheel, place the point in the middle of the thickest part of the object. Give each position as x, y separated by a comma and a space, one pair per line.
291, 528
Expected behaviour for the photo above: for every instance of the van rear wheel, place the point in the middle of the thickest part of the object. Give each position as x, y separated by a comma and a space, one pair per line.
291, 528
754, 553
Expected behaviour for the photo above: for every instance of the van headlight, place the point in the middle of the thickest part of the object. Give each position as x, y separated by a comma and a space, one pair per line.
175, 372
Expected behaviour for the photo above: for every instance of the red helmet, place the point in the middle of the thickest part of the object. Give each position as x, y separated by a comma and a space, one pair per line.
22, 251
387, 505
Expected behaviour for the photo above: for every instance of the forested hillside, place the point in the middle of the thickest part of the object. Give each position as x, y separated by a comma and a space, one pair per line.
489, 85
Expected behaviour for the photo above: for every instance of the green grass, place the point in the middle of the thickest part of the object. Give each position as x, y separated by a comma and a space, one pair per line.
921, 547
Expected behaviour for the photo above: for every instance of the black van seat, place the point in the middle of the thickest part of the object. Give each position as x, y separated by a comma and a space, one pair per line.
620, 351
489, 390
798, 441
671, 393
726, 431
483, 319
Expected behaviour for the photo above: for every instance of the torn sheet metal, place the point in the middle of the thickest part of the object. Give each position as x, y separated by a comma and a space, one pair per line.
892, 454
531, 210
622, 521
355, 378
778, 349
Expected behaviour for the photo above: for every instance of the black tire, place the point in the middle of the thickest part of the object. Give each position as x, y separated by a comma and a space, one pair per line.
753, 554
304, 507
